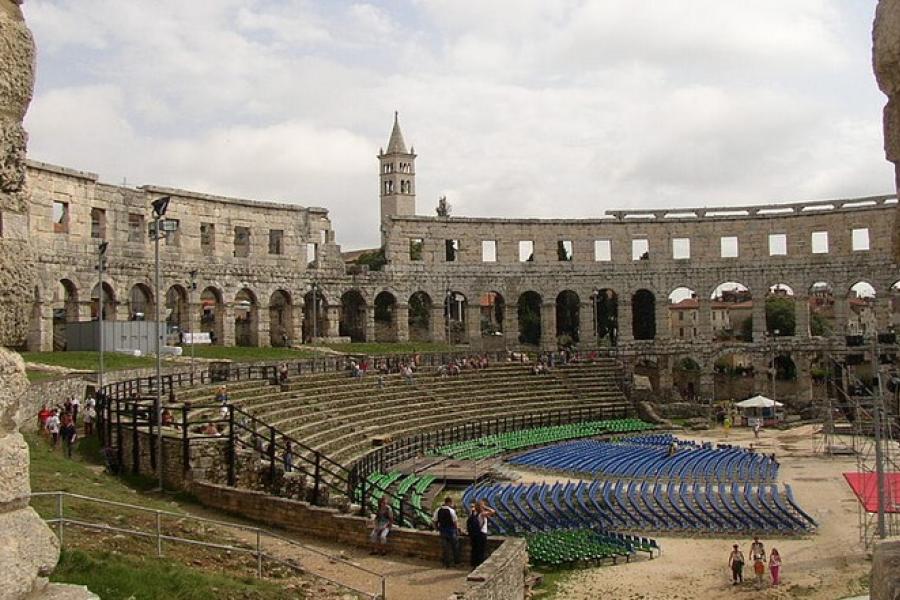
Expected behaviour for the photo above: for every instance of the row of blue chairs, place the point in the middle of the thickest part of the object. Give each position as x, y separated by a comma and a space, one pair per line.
634, 505
648, 457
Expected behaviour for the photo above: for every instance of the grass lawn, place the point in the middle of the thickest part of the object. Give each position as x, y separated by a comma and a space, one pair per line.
246, 353
89, 360
115, 576
394, 348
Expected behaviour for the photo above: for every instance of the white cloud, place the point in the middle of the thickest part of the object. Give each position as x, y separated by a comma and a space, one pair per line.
516, 107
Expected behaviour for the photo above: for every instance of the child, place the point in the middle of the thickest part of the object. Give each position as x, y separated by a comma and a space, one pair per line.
775, 566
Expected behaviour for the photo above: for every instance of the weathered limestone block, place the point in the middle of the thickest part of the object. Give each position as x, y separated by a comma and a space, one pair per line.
28, 548
14, 486
886, 59
885, 584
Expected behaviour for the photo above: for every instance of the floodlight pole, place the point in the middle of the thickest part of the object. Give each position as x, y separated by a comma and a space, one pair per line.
315, 316
193, 275
159, 210
101, 264
878, 416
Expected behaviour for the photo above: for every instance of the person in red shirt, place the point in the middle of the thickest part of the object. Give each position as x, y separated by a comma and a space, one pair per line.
43, 414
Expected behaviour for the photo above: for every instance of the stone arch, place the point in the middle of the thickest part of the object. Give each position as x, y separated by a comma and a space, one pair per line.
385, 317
606, 316
109, 302
492, 306
246, 318
861, 318
686, 373
455, 309
212, 314
895, 304
315, 304
733, 374
683, 314
643, 315
731, 312
353, 316
529, 313
176, 312
419, 319
568, 309
781, 314
821, 306
141, 306
281, 319
65, 310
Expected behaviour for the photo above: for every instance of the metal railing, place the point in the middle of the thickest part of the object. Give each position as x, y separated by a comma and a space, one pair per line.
60, 521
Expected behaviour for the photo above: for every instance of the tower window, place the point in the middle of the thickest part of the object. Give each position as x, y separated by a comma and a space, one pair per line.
60, 217
451, 250
728, 246
640, 249
777, 244
415, 248
489, 251
564, 250
602, 250
526, 251
819, 242
681, 248
860, 239
389, 187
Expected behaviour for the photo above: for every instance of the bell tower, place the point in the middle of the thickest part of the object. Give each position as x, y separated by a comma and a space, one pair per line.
397, 176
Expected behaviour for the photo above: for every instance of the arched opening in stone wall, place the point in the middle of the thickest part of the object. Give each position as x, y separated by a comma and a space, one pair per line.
212, 314
176, 313
895, 305
733, 376
643, 315
353, 316
781, 314
65, 310
648, 367
420, 317
455, 304
731, 313
528, 309
684, 314
246, 319
861, 319
568, 307
385, 317
821, 309
314, 305
492, 306
606, 313
140, 303
785, 368
785, 371
686, 377
109, 302
281, 319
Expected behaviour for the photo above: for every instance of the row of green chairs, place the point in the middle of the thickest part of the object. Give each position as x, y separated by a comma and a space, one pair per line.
577, 546
411, 489
497, 444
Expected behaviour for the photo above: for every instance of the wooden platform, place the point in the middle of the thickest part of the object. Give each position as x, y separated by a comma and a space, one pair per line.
447, 470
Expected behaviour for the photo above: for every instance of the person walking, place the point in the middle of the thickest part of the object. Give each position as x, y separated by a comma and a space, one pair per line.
69, 433
736, 563
53, 427
446, 522
756, 428
384, 520
90, 415
775, 566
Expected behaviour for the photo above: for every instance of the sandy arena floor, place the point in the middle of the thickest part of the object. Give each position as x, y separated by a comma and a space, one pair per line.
827, 565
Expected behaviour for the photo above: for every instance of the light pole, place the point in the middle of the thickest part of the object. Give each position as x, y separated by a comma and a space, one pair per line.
158, 230
447, 300
315, 317
772, 337
193, 275
101, 265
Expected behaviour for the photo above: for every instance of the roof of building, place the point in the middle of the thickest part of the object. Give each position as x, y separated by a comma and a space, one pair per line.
396, 145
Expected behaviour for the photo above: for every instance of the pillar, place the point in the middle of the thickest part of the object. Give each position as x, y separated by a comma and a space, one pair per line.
296, 325
840, 315
123, 311
438, 327
40, 334
84, 312
626, 333
511, 324
759, 319
587, 327
333, 320
801, 316
263, 327
473, 323
370, 323
548, 326
661, 315
228, 325
704, 320
883, 315
401, 314
707, 383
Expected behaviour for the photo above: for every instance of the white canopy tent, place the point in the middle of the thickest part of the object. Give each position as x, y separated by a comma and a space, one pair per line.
762, 409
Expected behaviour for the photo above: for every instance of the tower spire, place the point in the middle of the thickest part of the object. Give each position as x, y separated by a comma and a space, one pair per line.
396, 145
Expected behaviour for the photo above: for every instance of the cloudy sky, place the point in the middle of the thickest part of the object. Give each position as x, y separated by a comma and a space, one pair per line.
515, 107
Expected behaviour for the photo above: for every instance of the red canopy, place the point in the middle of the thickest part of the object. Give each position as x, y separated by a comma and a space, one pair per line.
866, 489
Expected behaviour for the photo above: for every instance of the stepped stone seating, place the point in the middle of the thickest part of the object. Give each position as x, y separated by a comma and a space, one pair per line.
339, 415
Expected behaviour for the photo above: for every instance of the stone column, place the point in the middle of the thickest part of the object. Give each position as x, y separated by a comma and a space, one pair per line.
707, 384
666, 381
704, 320
333, 314
370, 324
438, 327
40, 335
587, 327
661, 314
626, 333
883, 314
759, 319
402, 317
801, 316
228, 325
123, 311
263, 327
548, 326
840, 315
511, 324
84, 311
473, 324
296, 328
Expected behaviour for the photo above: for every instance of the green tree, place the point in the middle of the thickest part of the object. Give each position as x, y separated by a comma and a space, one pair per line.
819, 325
780, 315
747, 329
530, 320
375, 260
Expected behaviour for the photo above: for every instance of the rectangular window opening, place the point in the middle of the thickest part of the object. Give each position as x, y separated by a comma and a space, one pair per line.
276, 241
489, 251
451, 250
640, 249
602, 250
173, 232
526, 251
136, 228
312, 254
860, 239
681, 248
415, 248
819, 242
98, 223
729, 246
777, 244
207, 238
241, 242
565, 250
60, 217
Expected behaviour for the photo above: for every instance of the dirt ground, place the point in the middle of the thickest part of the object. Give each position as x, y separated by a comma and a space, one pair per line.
827, 565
